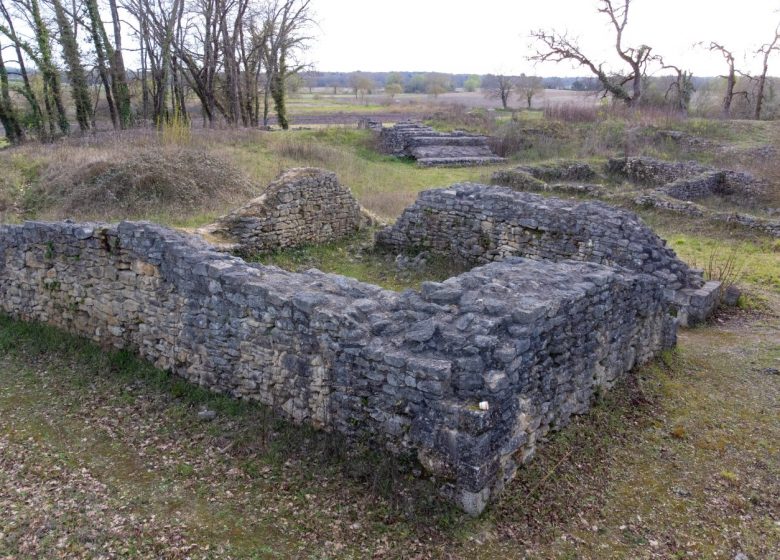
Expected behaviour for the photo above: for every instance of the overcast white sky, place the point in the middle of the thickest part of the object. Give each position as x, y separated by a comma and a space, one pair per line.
491, 36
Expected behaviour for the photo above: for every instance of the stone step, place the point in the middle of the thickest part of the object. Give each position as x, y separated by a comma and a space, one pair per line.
459, 161
446, 141
439, 151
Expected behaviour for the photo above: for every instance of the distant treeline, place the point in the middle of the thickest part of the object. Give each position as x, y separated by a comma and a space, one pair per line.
414, 82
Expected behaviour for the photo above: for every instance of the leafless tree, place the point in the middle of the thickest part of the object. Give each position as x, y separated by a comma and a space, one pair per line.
556, 47
361, 84
22, 47
766, 51
529, 86
235, 56
286, 35
681, 89
499, 87
8, 116
730, 77
437, 83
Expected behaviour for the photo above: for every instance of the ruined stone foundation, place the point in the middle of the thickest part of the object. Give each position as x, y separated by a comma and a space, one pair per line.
477, 224
468, 374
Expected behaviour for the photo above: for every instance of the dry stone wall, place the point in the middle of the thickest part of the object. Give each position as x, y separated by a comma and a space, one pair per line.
432, 148
533, 341
670, 186
303, 205
684, 180
479, 223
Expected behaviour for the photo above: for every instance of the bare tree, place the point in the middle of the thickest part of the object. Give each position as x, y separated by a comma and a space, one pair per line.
41, 54
499, 87
529, 86
556, 47
361, 85
681, 88
437, 83
21, 46
730, 77
766, 50
98, 42
286, 28
234, 55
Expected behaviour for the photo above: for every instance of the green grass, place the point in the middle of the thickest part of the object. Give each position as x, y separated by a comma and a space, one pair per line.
710, 246
382, 184
356, 258
123, 437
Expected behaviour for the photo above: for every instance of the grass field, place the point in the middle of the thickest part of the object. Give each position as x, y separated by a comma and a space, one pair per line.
101, 455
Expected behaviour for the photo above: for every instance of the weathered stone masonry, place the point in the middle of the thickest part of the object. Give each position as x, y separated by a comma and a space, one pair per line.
303, 205
535, 340
478, 224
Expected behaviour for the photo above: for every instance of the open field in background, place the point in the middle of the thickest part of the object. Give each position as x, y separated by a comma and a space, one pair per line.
323, 98
101, 454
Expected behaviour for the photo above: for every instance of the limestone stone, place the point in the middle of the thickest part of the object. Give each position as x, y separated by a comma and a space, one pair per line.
467, 374
433, 148
302, 206
477, 224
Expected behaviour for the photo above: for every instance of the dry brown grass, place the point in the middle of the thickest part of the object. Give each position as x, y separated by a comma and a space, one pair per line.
571, 113
132, 177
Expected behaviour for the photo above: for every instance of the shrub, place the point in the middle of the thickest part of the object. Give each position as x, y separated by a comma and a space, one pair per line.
176, 131
571, 113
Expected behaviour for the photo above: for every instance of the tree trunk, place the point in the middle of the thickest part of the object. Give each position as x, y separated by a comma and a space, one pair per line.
13, 130
118, 73
278, 92
78, 78
27, 90
143, 42
97, 39
728, 97
49, 71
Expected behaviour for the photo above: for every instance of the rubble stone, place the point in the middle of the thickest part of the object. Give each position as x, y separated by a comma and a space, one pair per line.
478, 223
302, 206
468, 374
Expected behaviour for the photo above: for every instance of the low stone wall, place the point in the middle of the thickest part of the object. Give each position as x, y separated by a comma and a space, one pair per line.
532, 340
693, 182
684, 179
653, 172
701, 186
561, 171
433, 148
657, 199
478, 223
303, 205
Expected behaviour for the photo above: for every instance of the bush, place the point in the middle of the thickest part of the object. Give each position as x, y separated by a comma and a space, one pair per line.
571, 113
140, 182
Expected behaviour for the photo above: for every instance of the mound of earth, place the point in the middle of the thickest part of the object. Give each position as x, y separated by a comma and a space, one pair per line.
149, 181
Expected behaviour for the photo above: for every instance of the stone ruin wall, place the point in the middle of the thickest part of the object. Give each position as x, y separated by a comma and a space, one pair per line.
477, 224
665, 185
303, 205
535, 340
684, 180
